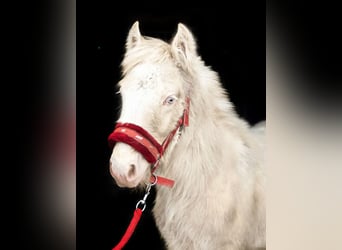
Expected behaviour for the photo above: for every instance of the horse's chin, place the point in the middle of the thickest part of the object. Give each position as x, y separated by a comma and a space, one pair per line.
123, 184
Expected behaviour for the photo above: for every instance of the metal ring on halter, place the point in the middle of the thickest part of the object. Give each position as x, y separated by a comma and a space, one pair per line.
155, 180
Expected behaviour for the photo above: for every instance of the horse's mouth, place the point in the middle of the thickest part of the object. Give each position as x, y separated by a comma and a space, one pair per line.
124, 181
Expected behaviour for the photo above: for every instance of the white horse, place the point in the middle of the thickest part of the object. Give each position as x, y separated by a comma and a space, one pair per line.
218, 198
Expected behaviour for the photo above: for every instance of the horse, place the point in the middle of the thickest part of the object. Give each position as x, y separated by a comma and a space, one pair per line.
176, 114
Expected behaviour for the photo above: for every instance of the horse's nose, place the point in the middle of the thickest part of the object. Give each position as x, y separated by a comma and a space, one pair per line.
131, 171
124, 175
127, 166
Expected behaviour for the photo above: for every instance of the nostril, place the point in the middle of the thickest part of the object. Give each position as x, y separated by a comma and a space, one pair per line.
131, 171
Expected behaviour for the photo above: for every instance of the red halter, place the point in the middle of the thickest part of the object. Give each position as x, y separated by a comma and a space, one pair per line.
143, 142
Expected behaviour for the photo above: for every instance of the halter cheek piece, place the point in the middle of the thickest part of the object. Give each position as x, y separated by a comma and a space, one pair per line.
143, 142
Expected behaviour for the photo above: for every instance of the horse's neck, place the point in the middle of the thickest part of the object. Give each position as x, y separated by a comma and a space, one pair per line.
214, 137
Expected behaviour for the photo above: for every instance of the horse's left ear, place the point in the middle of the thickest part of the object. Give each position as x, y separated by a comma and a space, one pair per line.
183, 44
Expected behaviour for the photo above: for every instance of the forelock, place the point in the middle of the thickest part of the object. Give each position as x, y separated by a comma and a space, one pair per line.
151, 50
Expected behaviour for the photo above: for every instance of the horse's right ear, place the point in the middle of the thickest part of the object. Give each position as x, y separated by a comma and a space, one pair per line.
134, 37
183, 45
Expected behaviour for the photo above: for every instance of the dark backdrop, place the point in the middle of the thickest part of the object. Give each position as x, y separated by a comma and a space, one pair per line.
231, 40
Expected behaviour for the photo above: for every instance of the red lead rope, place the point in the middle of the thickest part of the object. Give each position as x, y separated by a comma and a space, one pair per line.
136, 217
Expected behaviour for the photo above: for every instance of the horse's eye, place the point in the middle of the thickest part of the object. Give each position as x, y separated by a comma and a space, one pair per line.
170, 100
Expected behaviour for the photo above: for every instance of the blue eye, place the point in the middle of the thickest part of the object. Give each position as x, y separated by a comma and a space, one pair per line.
170, 100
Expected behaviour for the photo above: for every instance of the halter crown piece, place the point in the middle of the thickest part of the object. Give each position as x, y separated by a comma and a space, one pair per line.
143, 142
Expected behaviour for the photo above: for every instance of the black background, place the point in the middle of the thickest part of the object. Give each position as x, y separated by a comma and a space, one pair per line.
231, 40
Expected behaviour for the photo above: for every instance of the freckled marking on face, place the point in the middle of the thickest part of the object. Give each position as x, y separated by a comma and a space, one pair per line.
148, 75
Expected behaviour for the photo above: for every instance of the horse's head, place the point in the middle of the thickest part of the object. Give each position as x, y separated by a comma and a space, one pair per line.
154, 89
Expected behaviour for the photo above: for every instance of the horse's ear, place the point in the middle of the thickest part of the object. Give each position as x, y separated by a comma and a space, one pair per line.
183, 44
134, 37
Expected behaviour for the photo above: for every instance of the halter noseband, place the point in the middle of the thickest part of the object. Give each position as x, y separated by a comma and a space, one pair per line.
143, 142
